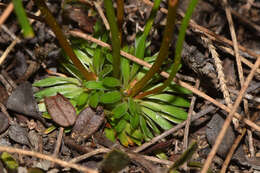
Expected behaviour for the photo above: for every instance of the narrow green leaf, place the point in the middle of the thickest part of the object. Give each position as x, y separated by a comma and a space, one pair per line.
109, 57
168, 109
110, 97
174, 111
134, 107
171, 99
82, 99
184, 157
110, 134
74, 93
120, 125
73, 70
163, 123
152, 125
123, 138
98, 60
136, 136
105, 71
151, 105
147, 133
120, 110
171, 118
178, 89
111, 82
93, 85
22, 18
134, 120
93, 99
9, 161
51, 81
139, 52
125, 69
83, 57
49, 129
62, 89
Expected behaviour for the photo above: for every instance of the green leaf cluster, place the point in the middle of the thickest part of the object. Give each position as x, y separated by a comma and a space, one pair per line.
131, 120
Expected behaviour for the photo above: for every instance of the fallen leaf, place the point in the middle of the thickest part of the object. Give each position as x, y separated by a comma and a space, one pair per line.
112, 160
61, 110
18, 134
23, 101
4, 123
87, 123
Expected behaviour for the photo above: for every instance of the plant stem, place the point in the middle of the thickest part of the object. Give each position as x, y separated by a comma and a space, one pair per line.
163, 53
140, 48
22, 18
50, 20
178, 50
120, 18
115, 37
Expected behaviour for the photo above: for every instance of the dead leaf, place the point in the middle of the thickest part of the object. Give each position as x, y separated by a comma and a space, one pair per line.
23, 101
4, 123
18, 134
61, 110
87, 123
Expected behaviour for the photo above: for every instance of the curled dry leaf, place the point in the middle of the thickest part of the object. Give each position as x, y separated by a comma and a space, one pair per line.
87, 123
61, 110
23, 101
4, 123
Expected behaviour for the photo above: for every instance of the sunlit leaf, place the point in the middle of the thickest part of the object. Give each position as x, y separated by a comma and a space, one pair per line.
120, 110
110, 97
51, 81
120, 125
93, 85
105, 71
134, 120
171, 99
125, 69
164, 124
110, 134
147, 133
171, 118
82, 99
73, 70
174, 111
123, 138
93, 99
98, 60
111, 82
139, 52
84, 58
62, 89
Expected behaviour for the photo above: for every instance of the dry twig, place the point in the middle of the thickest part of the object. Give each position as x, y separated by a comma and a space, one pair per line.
46, 157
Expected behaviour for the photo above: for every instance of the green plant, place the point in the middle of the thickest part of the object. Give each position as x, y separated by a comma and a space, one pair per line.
135, 112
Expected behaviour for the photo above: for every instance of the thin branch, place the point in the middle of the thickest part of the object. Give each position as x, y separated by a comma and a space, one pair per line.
188, 122
46, 157
6, 13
